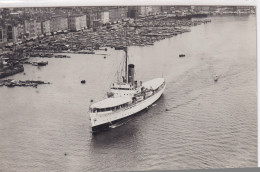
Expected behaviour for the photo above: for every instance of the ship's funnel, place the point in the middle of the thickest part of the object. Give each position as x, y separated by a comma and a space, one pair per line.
131, 73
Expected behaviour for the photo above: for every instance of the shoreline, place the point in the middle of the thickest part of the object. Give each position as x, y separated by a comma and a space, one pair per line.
140, 32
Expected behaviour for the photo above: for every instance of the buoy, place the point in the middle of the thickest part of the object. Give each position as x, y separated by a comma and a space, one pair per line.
105, 49
91, 100
83, 82
166, 109
65, 154
105, 57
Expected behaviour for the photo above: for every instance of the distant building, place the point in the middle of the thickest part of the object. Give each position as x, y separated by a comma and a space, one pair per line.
104, 17
167, 9
213, 8
117, 13
132, 12
1, 63
93, 19
19, 32
30, 29
136, 11
3, 35
58, 24
145, 10
202, 8
45, 26
12, 33
83, 21
244, 9
38, 28
9, 32
77, 23
156, 10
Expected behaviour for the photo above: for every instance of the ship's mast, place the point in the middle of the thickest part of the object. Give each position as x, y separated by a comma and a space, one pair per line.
126, 77
125, 48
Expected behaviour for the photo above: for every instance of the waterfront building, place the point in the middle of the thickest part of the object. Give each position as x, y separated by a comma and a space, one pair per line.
77, 23
202, 9
167, 9
1, 63
132, 12
156, 10
30, 29
117, 13
38, 28
9, 32
12, 33
17, 33
104, 17
45, 26
3, 35
145, 11
89, 19
58, 24
83, 21
244, 9
93, 18
136, 11
212, 8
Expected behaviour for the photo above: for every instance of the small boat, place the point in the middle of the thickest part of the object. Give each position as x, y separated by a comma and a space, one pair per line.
216, 77
61, 56
41, 63
182, 55
119, 48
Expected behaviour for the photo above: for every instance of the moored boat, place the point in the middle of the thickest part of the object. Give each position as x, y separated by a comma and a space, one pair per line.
40, 63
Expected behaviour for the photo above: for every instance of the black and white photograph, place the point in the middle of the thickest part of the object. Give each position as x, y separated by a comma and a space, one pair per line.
128, 87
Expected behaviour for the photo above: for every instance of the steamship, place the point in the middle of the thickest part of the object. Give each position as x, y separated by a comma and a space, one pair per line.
125, 98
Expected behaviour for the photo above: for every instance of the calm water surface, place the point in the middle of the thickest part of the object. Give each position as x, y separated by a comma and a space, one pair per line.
208, 125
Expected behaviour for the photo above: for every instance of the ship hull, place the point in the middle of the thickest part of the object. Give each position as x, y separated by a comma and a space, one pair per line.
103, 121
107, 126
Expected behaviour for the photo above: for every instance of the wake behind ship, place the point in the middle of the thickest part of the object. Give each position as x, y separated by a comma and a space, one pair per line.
125, 98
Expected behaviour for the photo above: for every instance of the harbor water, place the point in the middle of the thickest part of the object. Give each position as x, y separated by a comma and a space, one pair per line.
197, 123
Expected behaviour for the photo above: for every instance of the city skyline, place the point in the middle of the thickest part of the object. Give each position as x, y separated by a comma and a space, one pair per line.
18, 24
